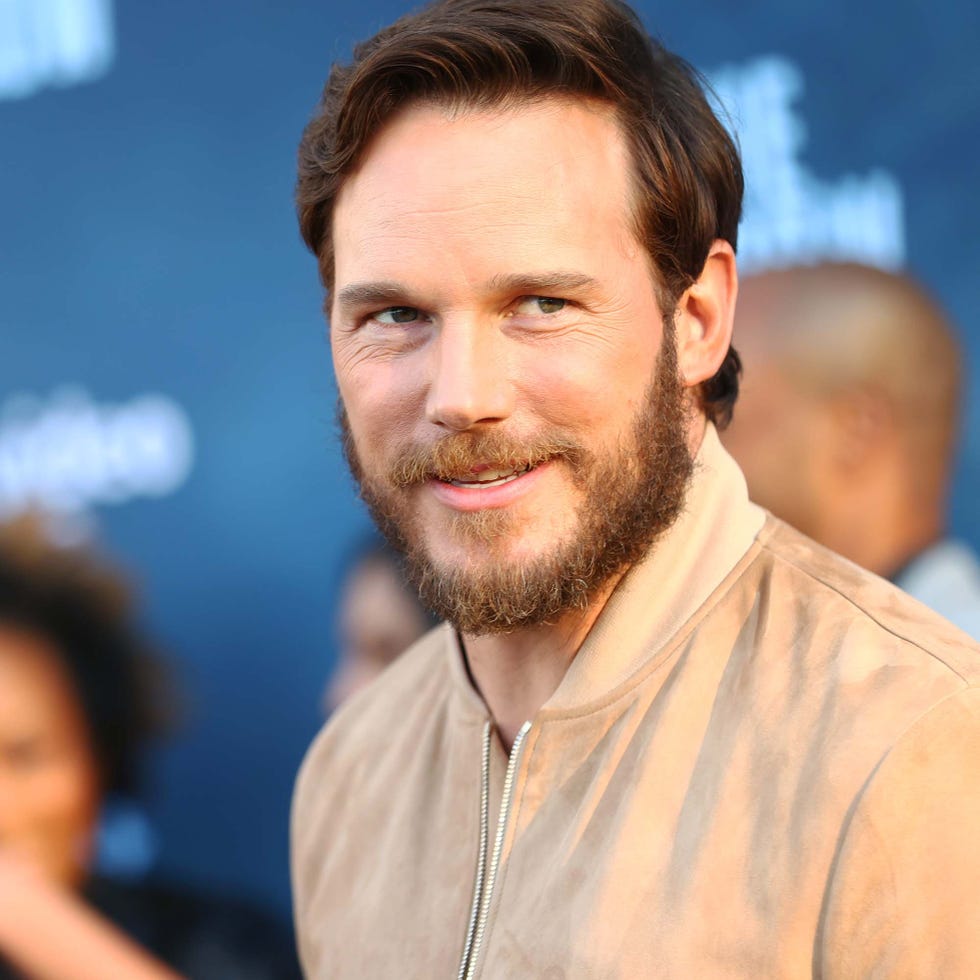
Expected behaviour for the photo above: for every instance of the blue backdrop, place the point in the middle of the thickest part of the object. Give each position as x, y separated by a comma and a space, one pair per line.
164, 375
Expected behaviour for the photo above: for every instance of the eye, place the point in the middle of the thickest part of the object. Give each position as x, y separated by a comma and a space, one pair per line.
536, 305
397, 314
24, 754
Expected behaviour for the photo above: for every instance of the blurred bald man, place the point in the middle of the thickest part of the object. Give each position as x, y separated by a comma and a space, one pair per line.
846, 425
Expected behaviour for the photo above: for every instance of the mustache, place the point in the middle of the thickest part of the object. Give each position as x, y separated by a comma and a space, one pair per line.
457, 456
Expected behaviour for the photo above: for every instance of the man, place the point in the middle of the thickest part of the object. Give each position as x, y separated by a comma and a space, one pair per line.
848, 419
661, 733
379, 618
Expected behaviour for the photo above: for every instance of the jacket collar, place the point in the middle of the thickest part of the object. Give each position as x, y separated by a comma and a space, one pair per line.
717, 526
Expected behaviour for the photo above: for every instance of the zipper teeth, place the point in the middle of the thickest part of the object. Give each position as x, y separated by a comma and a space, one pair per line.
481, 866
491, 877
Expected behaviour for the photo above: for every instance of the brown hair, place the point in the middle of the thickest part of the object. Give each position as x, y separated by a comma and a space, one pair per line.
487, 53
83, 607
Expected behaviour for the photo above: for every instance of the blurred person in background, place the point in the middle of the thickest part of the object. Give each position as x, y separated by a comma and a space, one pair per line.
380, 616
80, 692
847, 423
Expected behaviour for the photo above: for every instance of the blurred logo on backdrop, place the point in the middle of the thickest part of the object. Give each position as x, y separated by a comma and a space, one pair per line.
45, 43
67, 452
791, 216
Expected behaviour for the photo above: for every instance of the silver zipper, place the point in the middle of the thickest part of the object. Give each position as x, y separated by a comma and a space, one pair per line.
483, 890
481, 866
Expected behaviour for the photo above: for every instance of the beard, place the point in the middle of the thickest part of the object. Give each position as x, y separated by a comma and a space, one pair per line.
629, 498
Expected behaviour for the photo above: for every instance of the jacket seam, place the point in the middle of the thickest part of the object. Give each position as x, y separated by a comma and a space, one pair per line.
669, 648
785, 559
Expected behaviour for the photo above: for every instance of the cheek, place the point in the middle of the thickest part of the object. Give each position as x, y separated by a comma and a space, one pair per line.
565, 401
381, 427
70, 796
60, 808
381, 399
592, 386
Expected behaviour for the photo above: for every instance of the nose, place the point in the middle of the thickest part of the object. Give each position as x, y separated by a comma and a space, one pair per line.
469, 380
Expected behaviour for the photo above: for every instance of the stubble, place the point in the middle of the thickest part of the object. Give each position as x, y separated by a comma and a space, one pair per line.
629, 498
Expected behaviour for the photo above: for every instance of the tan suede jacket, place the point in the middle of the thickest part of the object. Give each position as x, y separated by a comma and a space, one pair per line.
764, 762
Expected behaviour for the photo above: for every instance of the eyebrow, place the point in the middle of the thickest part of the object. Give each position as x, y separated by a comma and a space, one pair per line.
371, 293
542, 283
382, 292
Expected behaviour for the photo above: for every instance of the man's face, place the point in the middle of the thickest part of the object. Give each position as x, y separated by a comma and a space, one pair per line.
496, 338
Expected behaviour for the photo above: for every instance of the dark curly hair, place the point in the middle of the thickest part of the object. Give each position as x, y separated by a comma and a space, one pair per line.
687, 176
82, 608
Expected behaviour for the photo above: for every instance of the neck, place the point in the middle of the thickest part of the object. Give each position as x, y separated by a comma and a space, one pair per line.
880, 525
516, 673
920, 537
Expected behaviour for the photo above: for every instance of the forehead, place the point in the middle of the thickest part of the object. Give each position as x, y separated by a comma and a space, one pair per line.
34, 685
487, 183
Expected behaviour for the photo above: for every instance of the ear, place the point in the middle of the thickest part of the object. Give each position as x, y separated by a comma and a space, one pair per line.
705, 313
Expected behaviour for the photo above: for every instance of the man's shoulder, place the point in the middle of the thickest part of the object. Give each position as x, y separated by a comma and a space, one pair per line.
846, 603
410, 687
906, 872
388, 748
377, 733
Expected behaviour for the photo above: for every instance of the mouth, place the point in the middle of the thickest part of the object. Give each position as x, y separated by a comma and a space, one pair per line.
482, 477
487, 486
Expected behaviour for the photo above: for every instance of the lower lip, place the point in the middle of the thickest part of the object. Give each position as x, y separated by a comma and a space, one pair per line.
485, 498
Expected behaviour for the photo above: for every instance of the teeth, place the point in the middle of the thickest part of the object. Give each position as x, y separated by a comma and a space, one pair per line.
491, 478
